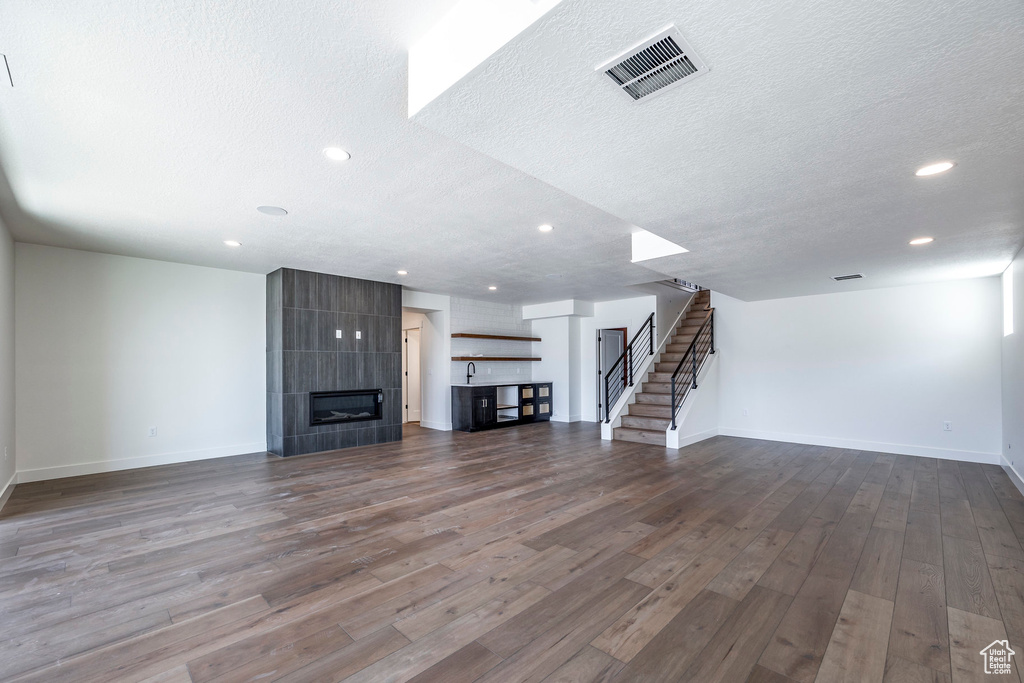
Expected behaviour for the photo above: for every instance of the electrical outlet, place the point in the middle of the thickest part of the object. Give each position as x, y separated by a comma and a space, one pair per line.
152, 431
947, 426
746, 412
359, 334
337, 334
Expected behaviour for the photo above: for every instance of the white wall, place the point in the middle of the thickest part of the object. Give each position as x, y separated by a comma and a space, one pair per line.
628, 313
558, 309
435, 356
671, 302
8, 452
1013, 376
875, 370
560, 363
110, 346
575, 405
488, 317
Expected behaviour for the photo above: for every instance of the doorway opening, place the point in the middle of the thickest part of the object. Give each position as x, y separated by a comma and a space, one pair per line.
611, 342
412, 390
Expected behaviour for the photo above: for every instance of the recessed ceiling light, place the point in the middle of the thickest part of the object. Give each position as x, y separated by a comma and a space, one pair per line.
932, 169
232, 243
492, 288
546, 227
922, 240
272, 210
403, 272
336, 154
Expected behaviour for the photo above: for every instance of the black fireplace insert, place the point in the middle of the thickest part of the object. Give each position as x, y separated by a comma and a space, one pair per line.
329, 407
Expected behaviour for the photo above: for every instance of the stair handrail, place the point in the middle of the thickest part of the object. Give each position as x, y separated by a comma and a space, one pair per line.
705, 335
679, 283
623, 370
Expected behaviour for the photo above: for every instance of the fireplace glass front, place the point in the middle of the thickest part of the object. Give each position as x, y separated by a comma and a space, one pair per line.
328, 407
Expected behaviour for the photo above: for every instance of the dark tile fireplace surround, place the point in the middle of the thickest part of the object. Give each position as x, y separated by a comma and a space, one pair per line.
305, 311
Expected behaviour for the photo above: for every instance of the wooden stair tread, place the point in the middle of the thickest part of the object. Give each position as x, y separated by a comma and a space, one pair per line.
650, 410
646, 420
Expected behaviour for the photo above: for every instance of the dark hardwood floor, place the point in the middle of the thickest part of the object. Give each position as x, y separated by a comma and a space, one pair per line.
538, 553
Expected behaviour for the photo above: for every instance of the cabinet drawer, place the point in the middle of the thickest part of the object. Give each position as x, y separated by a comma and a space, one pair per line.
543, 408
543, 391
525, 393
527, 409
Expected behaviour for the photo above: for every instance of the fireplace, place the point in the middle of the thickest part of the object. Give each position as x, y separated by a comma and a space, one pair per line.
329, 407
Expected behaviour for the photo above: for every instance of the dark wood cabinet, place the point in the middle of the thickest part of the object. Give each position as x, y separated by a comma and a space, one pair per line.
535, 402
485, 408
478, 407
474, 408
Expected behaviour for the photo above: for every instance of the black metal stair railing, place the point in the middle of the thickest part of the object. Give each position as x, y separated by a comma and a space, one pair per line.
685, 376
623, 371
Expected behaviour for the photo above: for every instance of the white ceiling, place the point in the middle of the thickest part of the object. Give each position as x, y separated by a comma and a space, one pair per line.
793, 159
155, 129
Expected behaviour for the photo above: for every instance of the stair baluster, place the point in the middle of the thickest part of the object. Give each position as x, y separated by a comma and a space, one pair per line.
623, 370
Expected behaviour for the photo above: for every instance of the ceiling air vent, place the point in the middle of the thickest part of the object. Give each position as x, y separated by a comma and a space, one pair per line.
655, 65
855, 276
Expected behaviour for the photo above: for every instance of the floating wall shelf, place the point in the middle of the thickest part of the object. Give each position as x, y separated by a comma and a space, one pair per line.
468, 335
494, 358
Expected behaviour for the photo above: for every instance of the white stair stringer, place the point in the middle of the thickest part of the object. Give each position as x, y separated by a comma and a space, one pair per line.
697, 417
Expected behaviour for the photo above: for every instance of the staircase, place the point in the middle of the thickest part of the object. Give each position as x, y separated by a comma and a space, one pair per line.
646, 420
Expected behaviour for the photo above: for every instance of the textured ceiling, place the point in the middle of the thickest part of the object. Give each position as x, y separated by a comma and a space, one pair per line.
155, 129
793, 159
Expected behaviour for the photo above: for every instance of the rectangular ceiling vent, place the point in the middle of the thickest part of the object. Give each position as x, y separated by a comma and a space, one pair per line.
855, 276
655, 65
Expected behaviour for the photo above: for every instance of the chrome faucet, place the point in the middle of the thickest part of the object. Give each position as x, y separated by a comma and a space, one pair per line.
469, 376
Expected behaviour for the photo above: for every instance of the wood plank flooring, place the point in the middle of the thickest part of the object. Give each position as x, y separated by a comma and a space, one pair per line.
537, 554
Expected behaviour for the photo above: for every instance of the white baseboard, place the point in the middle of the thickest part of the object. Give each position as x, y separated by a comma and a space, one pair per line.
563, 418
691, 439
1013, 474
7, 490
61, 471
440, 426
874, 446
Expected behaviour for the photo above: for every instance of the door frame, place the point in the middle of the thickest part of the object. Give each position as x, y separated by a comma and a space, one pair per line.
405, 372
601, 408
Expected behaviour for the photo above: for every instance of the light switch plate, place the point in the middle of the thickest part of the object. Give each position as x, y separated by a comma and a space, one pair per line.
337, 334
359, 335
